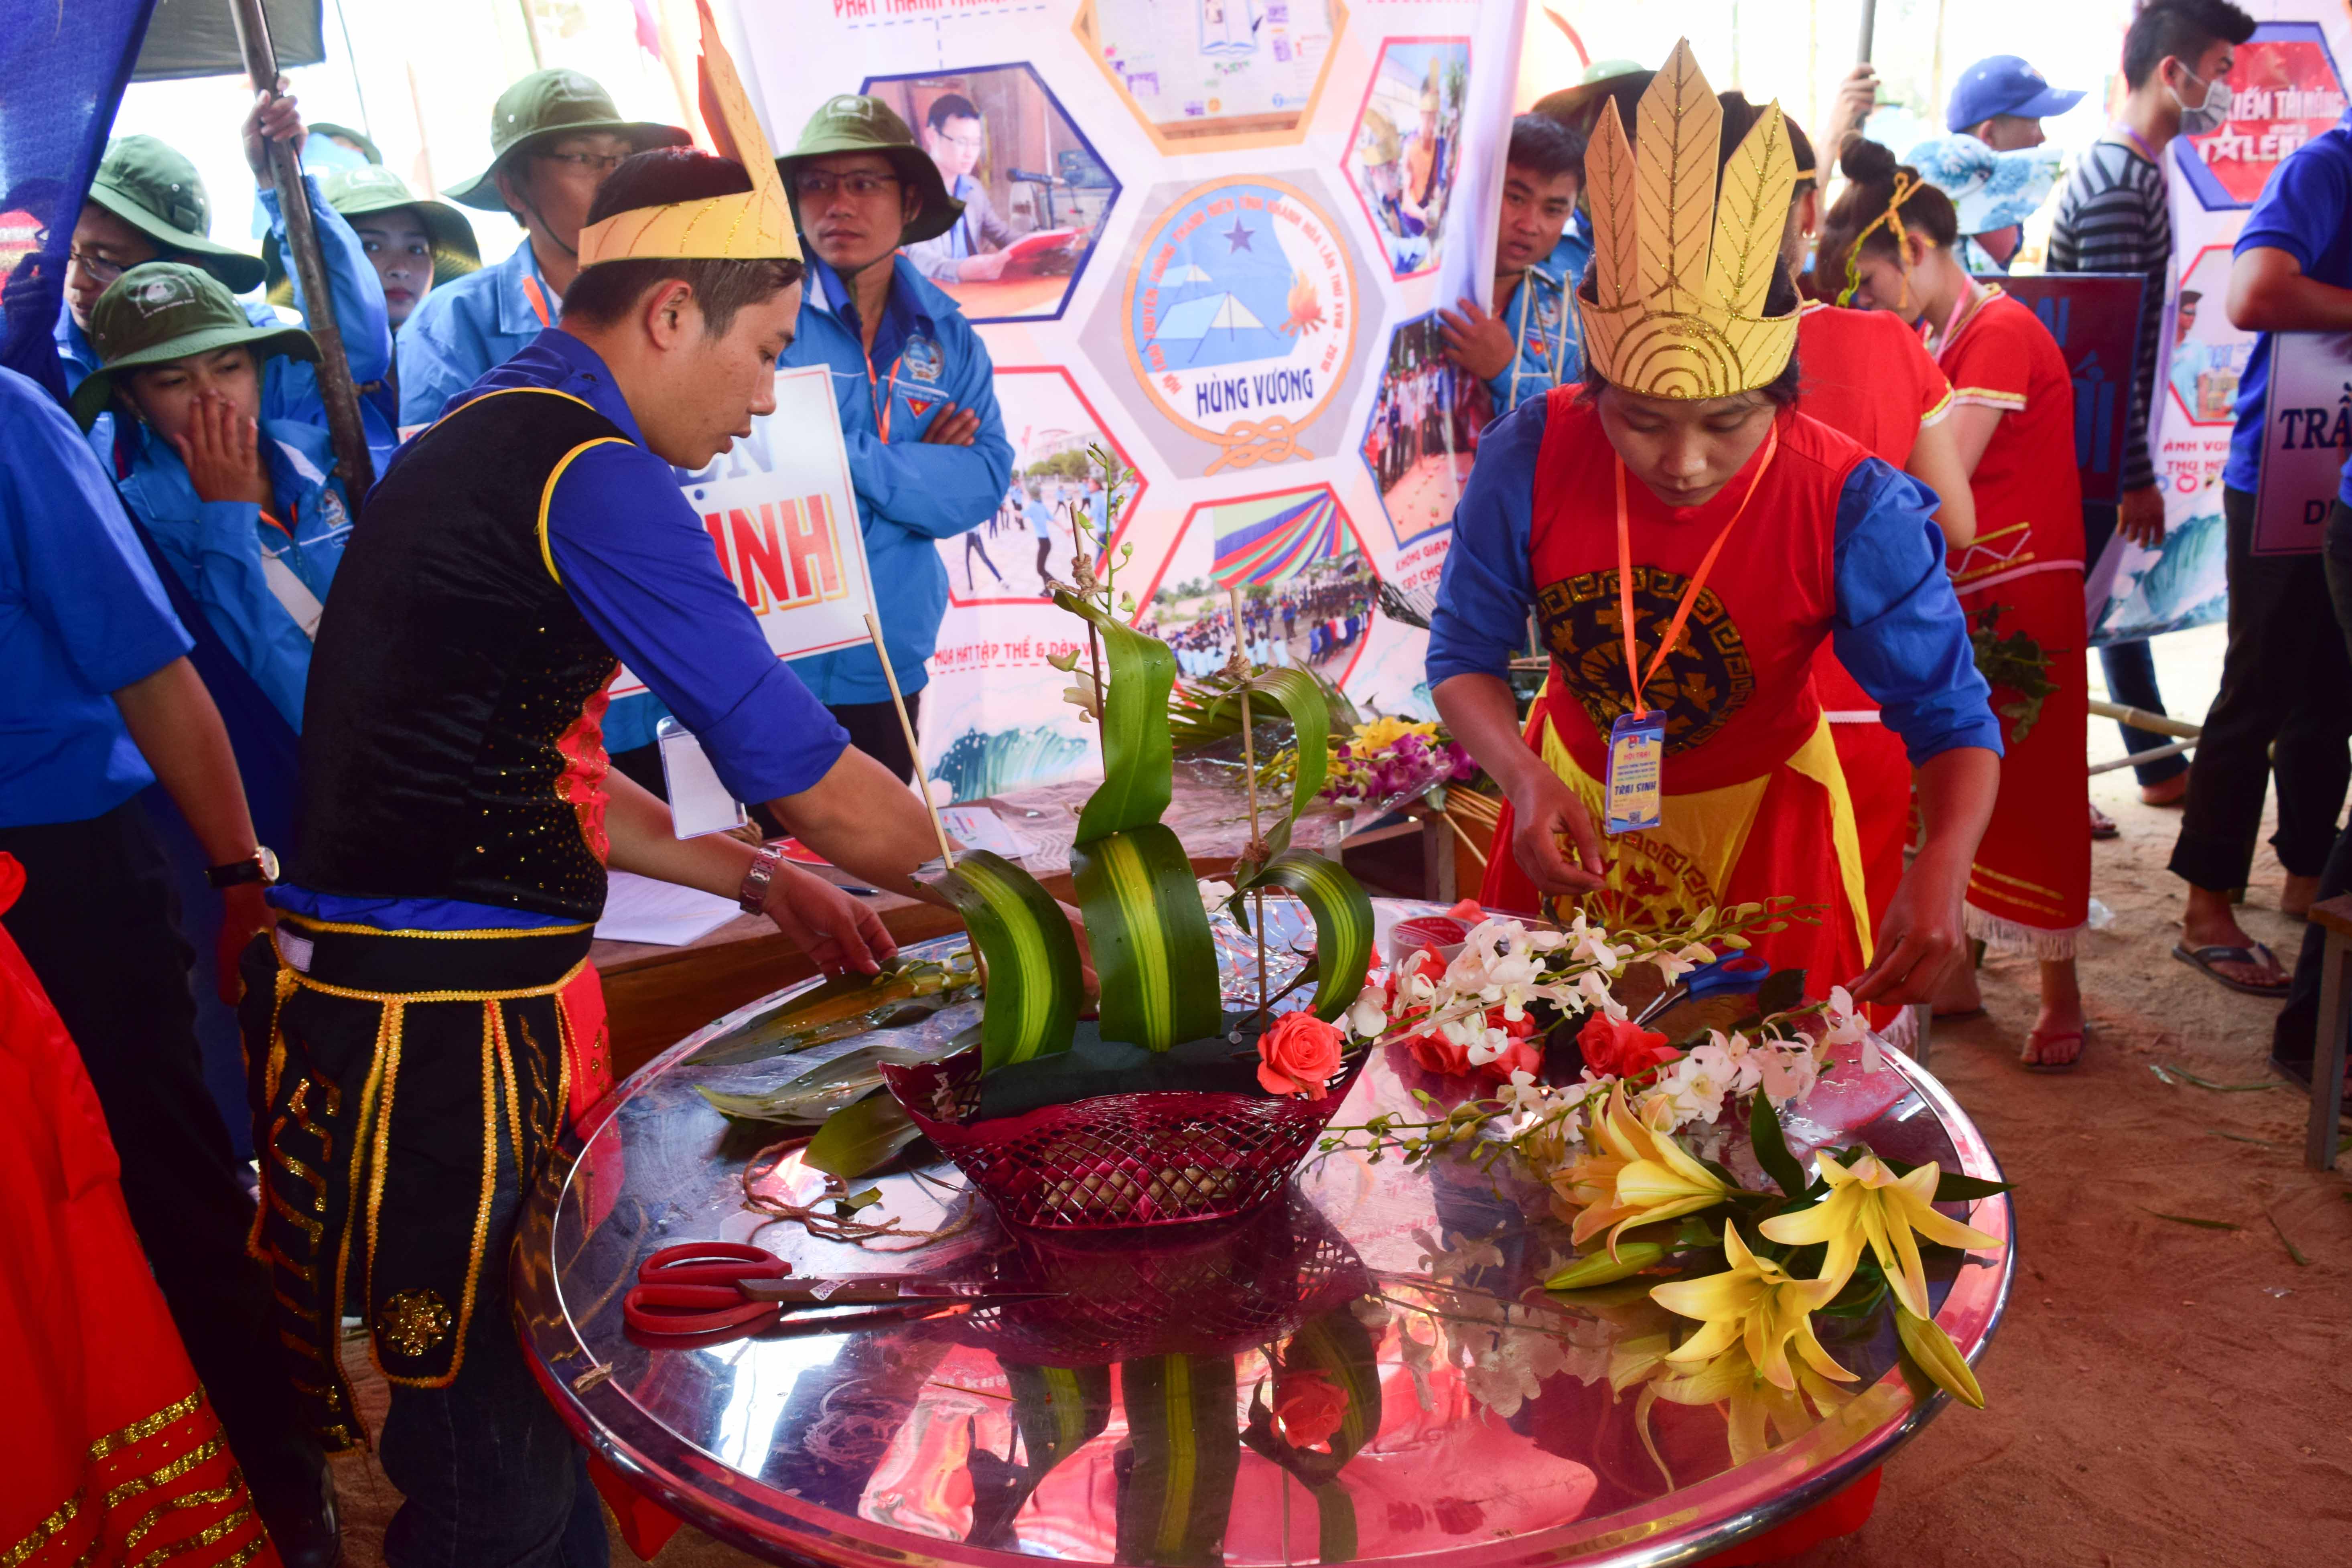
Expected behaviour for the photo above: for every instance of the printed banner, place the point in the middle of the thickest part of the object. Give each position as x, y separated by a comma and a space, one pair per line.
2095, 319
1207, 239
2306, 435
2286, 88
782, 515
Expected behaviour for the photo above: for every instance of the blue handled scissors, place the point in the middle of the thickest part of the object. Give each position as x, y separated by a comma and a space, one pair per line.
1732, 974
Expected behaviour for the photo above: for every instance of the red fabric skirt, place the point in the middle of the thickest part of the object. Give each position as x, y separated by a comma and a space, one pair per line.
110, 1452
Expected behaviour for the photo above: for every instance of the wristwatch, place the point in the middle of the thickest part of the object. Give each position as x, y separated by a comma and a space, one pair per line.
753, 894
261, 867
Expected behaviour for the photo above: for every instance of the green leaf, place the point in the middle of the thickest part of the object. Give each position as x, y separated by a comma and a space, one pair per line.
819, 1092
1599, 1268
2164, 1073
1335, 1523
1154, 954
1951, 1187
1036, 982
843, 1006
2190, 1219
1343, 922
1138, 758
1303, 700
860, 1138
1772, 1148
1183, 1425
2292, 1249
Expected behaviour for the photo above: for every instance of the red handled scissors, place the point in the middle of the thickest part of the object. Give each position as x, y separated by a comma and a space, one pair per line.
725, 1288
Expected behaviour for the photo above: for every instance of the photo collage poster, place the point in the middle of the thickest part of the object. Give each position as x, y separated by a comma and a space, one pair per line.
1209, 239
2287, 85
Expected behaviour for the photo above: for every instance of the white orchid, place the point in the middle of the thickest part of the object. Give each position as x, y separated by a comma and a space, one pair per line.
1368, 1016
1214, 895
1848, 1026
1594, 988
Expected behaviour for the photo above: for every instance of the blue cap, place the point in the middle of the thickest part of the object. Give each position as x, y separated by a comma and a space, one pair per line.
2004, 84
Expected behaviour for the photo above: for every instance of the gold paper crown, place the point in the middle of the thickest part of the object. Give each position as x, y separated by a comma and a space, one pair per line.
1680, 275
755, 225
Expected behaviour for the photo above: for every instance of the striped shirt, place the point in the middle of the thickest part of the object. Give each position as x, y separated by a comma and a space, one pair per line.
2112, 218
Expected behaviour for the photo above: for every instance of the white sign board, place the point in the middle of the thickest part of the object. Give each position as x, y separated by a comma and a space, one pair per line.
2307, 435
783, 519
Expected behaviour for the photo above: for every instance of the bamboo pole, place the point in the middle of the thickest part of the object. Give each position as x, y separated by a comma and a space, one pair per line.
1869, 30
310, 265
914, 747
2141, 719
1249, 772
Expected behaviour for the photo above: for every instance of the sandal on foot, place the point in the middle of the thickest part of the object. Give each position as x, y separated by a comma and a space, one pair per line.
2203, 959
2036, 1041
2102, 825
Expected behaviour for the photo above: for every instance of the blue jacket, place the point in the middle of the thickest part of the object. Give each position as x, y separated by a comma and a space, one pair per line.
290, 387
462, 330
1545, 327
910, 495
245, 573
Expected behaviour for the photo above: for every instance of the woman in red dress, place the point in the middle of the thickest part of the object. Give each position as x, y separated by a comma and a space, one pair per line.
1677, 517
1894, 238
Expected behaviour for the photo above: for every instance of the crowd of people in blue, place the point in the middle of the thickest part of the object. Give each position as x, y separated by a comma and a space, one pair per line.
172, 535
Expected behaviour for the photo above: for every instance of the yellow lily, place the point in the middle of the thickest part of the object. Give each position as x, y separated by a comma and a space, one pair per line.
1757, 1304
1760, 1412
1636, 1176
1868, 1202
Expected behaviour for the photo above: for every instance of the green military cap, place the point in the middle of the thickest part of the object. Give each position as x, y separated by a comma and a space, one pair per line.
164, 310
159, 193
371, 188
852, 123
543, 106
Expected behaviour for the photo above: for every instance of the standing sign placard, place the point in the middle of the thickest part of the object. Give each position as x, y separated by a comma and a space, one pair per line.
783, 517
2095, 319
2306, 435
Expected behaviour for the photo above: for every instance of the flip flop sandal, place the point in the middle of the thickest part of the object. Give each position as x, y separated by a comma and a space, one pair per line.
2036, 1038
2102, 825
2203, 959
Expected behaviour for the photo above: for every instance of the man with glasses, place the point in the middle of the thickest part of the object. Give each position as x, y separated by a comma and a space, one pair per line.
975, 247
147, 203
914, 384
554, 136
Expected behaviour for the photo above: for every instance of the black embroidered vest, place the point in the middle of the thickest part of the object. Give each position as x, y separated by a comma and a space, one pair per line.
445, 752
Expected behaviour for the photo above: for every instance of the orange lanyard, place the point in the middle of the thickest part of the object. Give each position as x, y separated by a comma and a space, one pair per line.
1699, 579
536, 297
888, 391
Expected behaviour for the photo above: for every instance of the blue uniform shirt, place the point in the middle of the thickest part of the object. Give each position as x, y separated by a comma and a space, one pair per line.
1547, 334
462, 330
1899, 627
81, 616
630, 550
2301, 212
910, 494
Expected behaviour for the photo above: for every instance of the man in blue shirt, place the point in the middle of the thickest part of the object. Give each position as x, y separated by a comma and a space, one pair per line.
460, 818
917, 394
1532, 343
99, 702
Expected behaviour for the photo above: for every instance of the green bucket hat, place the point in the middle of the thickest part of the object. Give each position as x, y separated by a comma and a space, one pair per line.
162, 311
851, 123
371, 188
159, 193
547, 104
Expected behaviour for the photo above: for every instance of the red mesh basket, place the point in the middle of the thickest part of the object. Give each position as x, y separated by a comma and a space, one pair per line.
1118, 1161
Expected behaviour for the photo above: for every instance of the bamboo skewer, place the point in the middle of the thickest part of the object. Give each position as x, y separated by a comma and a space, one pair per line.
1249, 772
914, 747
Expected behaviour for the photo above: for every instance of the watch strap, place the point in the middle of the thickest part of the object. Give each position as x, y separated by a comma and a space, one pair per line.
752, 896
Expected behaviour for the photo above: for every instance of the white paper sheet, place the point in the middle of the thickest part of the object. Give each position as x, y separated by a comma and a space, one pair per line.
639, 909
977, 827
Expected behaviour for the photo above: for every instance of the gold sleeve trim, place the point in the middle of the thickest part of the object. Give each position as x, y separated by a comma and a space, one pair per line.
547, 495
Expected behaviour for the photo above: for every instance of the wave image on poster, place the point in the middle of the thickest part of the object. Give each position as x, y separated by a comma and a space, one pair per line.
1201, 73
1031, 537
1407, 144
1305, 585
1034, 191
1239, 317
1424, 430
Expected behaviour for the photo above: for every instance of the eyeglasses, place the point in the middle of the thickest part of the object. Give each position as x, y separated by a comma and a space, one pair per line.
598, 163
100, 270
818, 184
968, 143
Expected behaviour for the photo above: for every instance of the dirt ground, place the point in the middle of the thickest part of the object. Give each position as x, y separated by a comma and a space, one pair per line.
2162, 1393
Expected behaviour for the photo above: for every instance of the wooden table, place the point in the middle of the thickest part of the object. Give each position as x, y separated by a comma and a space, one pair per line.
2333, 916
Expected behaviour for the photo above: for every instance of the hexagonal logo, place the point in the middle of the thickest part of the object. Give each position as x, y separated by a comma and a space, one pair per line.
1405, 144
2208, 355
1424, 430
1305, 584
1216, 74
2284, 89
1035, 193
1234, 332
1031, 536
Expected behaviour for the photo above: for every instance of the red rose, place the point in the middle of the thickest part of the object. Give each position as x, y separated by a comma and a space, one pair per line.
1621, 1049
1436, 1053
1299, 1055
1308, 1407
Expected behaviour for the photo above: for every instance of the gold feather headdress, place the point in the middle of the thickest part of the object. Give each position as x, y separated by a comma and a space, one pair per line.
756, 225
1681, 274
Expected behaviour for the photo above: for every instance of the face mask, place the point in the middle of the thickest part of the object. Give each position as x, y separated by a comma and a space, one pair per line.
2208, 116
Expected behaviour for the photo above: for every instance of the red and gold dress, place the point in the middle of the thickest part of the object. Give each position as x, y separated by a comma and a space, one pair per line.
1755, 805
2031, 885
110, 1452
1867, 376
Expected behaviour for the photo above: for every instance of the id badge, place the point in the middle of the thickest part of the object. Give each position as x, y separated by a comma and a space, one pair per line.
1636, 748
698, 803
